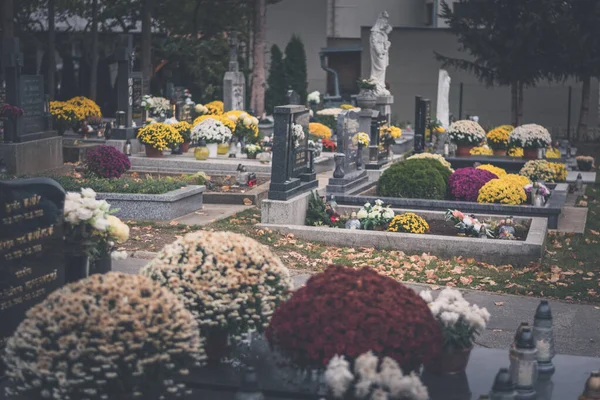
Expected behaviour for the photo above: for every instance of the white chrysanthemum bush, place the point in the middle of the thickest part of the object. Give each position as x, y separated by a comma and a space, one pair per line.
530, 136
460, 320
231, 283
111, 336
211, 131
466, 133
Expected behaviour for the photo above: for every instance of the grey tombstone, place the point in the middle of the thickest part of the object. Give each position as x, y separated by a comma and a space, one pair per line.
349, 174
32, 262
125, 58
234, 82
293, 97
422, 115
370, 122
292, 169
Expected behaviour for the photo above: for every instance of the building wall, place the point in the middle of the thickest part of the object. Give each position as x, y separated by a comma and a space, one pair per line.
414, 71
307, 19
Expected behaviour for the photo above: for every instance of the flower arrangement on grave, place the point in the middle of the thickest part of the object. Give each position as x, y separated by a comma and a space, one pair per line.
11, 113
499, 172
466, 133
242, 124
90, 229
347, 107
585, 163
329, 112
542, 170
368, 84
314, 98
502, 191
87, 107
408, 223
361, 139
464, 184
540, 188
423, 178
432, 156
459, 321
530, 136
375, 216
321, 213
200, 109
319, 130
498, 137
341, 311
481, 151
229, 282
216, 107
298, 134
517, 179
516, 152
156, 106
372, 378
211, 131
231, 125
329, 146
252, 150
159, 136
65, 116
184, 128
106, 162
111, 336
553, 152
467, 224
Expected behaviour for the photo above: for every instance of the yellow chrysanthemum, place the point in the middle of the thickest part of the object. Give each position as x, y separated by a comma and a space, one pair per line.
160, 136
497, 138
515, 152
517, 179
409, 223
394, 131
87, 107
542, 170
319, 130
361, 138
215, 107
183, 128
560, 172
499, 172
502, 191
347, 107
481, 151
552, 153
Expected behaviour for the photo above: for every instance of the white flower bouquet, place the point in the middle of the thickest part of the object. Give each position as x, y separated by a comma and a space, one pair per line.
211, 131
376, 216
298, 134
334, 112
466, 133
530, 136
459, 320
314, 97
372, 379
89, 228
157, 106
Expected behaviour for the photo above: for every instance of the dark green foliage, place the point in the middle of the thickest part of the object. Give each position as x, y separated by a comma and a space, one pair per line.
328, 120
276, 93
414, 179
316, 214
121, 185
419, 162
295, 67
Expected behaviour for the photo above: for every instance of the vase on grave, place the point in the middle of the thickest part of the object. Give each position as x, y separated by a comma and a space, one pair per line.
80, 267
151, 152
185, 147
222, 149
366, 99
463, 151
530, 153
212, 149
202, 152
501, 152
359, 162
450, 361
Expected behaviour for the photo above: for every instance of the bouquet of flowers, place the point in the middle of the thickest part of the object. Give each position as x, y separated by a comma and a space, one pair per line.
184, 128
252, 149
157, 106
459, 320
160, 136
350, 312
87, 107
530, 136
466, 133
11, 112
361, 139
319, 130
372, 379
314, 98
211, 131
329, 145
467, 224
498, 137
367, 84
532, 188
90, 230
242, 125
298, 134
375, 216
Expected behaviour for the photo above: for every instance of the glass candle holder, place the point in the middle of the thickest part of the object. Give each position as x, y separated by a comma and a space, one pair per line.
544, 338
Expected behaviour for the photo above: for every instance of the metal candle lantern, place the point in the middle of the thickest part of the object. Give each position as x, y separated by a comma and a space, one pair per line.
120, 115
592, 387
523, 366
503, 388
579, 182
544, 338
249, 388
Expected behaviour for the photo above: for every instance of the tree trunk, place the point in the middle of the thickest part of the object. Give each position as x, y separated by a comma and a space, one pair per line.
514, 100
94, 66
584, 111
520, 105
146, 61
258, 64
51, 50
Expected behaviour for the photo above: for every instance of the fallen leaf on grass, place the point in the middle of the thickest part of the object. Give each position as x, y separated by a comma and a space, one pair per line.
497, 330
247, 201
499, 303
173, 223
466, 280
593, 232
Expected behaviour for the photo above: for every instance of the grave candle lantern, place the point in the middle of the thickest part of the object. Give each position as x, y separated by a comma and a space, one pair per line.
120, 115
503, 388
523, 365
249, 389
592, 387
544, 338
579, 182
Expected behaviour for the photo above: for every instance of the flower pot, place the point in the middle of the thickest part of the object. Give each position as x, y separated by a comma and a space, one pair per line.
463, 151
450, 362
366, 101
530, 153
584, 166
201, 153
151, 152
101, 266
252, 156
212, 149
185, 147
500, 152
216, 346
222, 148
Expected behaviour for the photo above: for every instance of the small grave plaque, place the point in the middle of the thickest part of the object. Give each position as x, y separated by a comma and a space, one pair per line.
31, 247
32, 103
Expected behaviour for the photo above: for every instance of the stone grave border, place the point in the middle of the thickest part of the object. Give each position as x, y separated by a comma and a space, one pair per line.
167, 206
256, 195
510, 164
492, 251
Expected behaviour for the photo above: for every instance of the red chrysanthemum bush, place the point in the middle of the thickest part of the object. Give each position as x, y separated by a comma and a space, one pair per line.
107, 162
464, 183
350, 312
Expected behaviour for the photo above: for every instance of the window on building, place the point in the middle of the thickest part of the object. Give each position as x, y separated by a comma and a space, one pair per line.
429, 14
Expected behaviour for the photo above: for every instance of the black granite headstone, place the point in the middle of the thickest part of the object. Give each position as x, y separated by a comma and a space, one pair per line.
378, 154
125, 57
292, 170
32, 250
32, 103
138, 90
422, 111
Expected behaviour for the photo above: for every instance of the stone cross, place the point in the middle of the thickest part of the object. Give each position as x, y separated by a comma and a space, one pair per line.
443, 100
125, 78
234, 82
233, 52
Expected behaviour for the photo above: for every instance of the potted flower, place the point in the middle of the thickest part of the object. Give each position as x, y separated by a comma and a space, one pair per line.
319, 131
314, 99
530, 137
498, 137
298, 135
252, 150
91, 234
64, 116
329, 146
460, 323
157, 107
375, 217
367, 97
341, 311
213, 132
158, 137
585, 163
184, 129
408, 223
361, 139
11, 114
466, 134
229, 282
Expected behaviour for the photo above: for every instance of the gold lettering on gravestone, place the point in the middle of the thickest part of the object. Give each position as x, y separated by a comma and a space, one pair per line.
15, 219
25, 203
42, 280
18, 300
38, 234
23, 272
15, 255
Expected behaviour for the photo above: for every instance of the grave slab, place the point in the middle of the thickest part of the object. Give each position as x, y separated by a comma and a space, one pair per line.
32, 156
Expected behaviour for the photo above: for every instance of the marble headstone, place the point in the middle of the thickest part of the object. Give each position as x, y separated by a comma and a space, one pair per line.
234, 82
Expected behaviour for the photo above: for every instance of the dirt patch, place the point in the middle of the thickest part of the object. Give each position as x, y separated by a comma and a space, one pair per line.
228, 184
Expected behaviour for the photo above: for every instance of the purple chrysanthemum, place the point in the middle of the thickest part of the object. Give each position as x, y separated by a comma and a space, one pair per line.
464, 183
